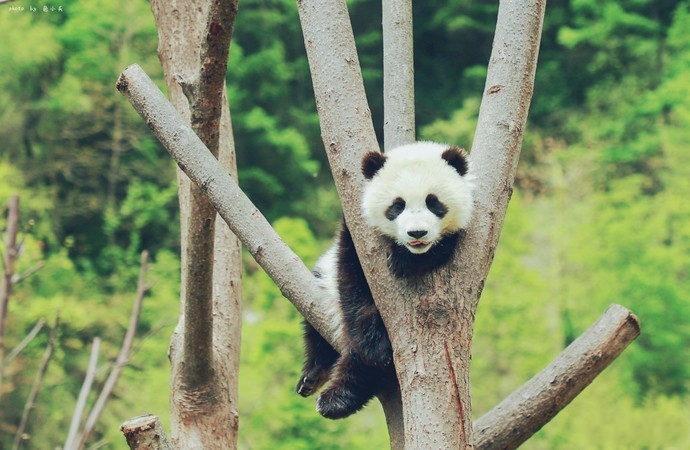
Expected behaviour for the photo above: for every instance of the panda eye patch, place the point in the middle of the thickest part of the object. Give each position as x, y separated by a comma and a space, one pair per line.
395, 209
435, 206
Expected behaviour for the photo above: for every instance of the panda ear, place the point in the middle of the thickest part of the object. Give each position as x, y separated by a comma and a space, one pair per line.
372, 163
457, 158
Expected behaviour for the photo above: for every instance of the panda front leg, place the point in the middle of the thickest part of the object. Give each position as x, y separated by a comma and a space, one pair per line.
364, 326
320, 357
353, 385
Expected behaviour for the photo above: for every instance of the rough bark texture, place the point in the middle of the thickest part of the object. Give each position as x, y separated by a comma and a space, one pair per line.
145, 433
526, 410
194, 36
398, 74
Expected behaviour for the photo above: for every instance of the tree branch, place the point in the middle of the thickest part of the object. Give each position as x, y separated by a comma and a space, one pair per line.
36, 387
498, 137
526, 410
70, 442
9, 258
189, 38
27, 339
145, 433
398, 74
122, 357
295, 281
204, 90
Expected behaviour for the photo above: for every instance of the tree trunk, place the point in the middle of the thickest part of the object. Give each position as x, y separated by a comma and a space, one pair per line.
207, 338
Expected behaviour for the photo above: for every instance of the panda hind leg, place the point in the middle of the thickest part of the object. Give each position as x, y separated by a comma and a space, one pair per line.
353, 385
319, 360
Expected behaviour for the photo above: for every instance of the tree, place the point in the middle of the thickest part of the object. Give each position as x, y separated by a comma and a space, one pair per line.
430, 324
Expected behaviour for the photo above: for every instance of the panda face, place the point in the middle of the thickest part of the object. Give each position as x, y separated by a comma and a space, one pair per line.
417, 222
417, 194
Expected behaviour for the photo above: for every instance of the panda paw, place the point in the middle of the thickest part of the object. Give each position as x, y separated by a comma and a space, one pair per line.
338, 403
310, 382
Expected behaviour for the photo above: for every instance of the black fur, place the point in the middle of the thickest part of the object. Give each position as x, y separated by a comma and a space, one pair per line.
457, 158
366, 367
395, 209
361, 372
404, 264
436, 206
372, 163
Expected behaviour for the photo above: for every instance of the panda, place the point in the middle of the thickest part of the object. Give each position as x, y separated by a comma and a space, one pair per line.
419, 198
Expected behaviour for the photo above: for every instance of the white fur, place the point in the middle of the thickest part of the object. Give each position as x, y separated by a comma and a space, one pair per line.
412, 172
326, 270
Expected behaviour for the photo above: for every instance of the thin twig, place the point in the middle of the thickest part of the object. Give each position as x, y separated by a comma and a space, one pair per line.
83, 395
6, 280
122, 357
26, 274
36, 387
28, 338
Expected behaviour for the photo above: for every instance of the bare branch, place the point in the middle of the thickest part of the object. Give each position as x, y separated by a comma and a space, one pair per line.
122, 357
27, 339
32, 270
286, 269
498, 137
145, 433
6, 281
70, 442
398, 74
36, 387
526, 410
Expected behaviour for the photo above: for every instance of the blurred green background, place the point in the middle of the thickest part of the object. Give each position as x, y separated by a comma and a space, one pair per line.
600, 215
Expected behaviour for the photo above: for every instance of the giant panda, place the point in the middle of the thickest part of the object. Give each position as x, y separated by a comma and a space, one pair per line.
419, 198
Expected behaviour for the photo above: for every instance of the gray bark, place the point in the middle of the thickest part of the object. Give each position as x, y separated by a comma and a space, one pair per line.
398, 74
204, 398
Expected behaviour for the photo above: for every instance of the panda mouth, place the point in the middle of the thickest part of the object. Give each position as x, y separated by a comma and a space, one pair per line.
418, 244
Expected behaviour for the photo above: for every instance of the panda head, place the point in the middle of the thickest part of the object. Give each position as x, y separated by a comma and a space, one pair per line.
417, 194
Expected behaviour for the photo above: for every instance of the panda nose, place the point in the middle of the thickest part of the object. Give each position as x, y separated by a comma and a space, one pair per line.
417, 233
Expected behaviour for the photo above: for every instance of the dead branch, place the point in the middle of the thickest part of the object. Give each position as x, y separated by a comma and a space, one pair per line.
32, 270
70, 442
36, 387
526, 410
27, 339
8, 261
285, 268
122, 357
145, 433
